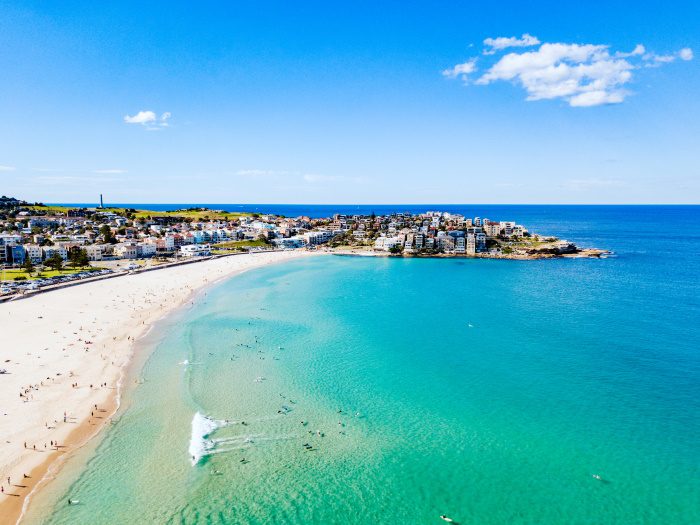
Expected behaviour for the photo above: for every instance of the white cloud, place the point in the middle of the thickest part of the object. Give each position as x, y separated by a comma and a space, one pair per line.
109, 171
638, 50
654, 60
583, 75
164, 119
504, 42
596, 98
149, 119
686, 53
7, 168
142, 117
461, 70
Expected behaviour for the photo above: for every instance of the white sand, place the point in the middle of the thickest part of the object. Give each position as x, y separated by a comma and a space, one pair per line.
43, 347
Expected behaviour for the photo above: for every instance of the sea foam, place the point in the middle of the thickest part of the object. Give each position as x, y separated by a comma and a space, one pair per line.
200, 444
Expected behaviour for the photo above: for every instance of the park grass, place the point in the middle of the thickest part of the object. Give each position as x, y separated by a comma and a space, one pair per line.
195, 215
239, 245
50, 210
9, 274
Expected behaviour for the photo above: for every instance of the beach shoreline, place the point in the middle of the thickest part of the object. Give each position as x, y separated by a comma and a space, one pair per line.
68, 355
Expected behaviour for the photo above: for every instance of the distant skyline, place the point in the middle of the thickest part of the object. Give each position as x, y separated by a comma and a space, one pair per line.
315, 102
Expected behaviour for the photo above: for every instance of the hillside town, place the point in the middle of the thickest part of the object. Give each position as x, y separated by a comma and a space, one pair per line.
33, 235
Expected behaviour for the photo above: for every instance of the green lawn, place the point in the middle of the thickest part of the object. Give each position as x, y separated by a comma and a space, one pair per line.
51, 210
240, 244
195, 215
9, 274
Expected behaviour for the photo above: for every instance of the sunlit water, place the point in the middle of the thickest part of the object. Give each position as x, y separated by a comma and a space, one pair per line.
357, 390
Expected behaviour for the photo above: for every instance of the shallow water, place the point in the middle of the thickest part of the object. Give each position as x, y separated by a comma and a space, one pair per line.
490, 391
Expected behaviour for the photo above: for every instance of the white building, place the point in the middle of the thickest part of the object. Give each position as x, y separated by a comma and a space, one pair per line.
507, 227
318, 237
126, 251
195, 250
50, 250
95, 252
33, 252
386, 243
146, 249
492, 229
290, 242
470, 246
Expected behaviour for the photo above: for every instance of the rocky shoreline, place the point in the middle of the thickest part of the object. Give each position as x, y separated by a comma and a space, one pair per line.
577, 253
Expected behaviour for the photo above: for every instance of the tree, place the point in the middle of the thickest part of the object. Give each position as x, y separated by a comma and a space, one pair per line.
83, 258
106, 233
55, 262
73, 255
78, 257
28, 265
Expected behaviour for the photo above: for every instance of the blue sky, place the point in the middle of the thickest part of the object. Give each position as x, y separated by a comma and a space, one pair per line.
313, 102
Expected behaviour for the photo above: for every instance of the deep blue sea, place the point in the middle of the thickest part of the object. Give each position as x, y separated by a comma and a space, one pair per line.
522, 392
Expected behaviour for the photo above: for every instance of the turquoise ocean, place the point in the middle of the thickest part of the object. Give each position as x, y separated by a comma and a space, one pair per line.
372, 390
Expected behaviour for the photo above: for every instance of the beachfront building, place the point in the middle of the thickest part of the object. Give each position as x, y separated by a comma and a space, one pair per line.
33, 252
507, 228
480, 241
446, 243
290, 242
195, 250
165, 244
48, 252
492, 229
385, 243
95, 252
470, 245
126, 250
12, 254
146, 249
318, 237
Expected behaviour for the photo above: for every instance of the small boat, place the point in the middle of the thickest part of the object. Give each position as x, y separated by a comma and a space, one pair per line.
445, 518
597, 476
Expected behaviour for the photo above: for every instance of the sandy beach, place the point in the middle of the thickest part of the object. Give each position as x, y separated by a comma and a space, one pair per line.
66, 353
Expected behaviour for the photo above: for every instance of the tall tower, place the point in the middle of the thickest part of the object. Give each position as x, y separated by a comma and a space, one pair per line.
101, 203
